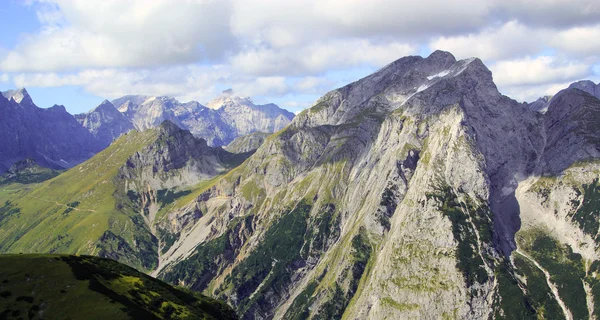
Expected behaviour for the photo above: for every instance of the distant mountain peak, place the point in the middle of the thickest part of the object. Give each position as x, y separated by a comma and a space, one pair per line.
59, 108
104, 107
20, 96
228, 97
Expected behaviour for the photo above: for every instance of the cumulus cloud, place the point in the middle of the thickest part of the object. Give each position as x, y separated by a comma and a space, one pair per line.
189, 82
319, 57
313, 84
281, 23
579, 41
540, 70
133, 33
509, 40
185, 83
530, 93
550, 13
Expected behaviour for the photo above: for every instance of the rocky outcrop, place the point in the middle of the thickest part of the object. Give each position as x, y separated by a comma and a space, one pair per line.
390, 193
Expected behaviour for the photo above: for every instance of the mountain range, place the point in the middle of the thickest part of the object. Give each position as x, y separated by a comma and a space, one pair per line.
220, 122
58, 140
419, 191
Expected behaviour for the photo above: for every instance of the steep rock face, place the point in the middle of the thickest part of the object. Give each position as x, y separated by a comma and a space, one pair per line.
105, 123
246, 117
391, 193
50, 136
247, 143
571, 126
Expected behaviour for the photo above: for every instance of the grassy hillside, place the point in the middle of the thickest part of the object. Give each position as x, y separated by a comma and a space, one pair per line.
85, 287
70, 212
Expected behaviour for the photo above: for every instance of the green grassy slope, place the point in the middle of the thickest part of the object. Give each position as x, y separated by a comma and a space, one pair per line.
85, 287
70, 212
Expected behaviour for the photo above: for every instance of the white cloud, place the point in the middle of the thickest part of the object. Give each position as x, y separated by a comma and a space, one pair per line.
550, 13
280, 23
185, 83
540, 70
530, 93
134, 33
313, 84
507, 41
262, 86
319, 57
4, 78
579, 41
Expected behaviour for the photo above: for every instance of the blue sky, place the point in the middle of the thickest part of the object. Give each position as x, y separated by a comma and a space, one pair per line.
80, 52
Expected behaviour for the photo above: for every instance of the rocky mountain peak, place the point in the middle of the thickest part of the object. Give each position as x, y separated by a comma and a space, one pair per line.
20, 96
587, 86
227, 98
411, 83
168, 127
58, 108
104, 106
540, 105
441, 58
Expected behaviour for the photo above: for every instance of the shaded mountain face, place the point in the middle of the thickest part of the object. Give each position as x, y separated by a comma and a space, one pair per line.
51, 136
105, 123
227, 118
587, 86
84, 287
416, 192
